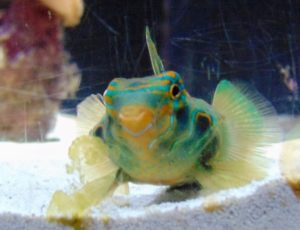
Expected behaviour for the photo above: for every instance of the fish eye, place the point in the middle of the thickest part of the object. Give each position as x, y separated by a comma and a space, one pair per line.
175, 91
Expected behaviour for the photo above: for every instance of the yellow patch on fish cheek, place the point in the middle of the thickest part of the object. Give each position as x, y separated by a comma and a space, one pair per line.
112, 113
107, 99
165, 110
110, 87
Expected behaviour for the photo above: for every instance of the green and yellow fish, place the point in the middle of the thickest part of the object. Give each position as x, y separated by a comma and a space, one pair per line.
150, 130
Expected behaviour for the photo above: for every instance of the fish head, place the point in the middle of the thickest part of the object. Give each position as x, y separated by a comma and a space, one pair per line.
144, 108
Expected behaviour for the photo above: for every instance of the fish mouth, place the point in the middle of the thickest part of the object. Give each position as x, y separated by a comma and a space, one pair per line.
138, 133
136, 120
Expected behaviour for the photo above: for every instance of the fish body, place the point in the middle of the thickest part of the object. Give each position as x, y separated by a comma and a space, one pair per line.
150, 130
157, 133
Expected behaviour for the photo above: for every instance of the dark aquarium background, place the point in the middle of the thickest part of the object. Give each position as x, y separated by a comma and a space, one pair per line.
252, 41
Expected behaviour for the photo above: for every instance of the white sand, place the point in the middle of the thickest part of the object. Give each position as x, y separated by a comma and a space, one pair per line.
30, 173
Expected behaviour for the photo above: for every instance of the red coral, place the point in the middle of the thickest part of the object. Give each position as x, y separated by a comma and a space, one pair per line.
29, 25
35, 74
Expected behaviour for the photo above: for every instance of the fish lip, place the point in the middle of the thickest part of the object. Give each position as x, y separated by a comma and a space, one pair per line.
139, 133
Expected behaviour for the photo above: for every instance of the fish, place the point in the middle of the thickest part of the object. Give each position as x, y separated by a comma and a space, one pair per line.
151, 130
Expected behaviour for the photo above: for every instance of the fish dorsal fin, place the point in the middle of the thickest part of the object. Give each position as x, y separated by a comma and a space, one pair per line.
156, 62
246, 127
89, 113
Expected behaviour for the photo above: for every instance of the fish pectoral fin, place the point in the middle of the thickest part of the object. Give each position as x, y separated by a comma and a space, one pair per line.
123, 189
227, 174
98, 177
89, 113
244, 131
89, 157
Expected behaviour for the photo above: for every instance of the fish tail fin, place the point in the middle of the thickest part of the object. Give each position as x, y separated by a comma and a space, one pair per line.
89, 158
245, 128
